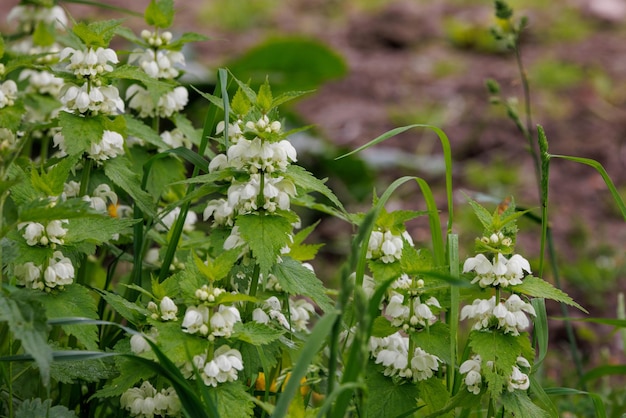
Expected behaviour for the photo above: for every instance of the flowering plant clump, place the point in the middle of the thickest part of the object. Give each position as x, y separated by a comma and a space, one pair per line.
153, 269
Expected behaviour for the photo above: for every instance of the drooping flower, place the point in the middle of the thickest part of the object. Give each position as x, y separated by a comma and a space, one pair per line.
111, 145
499, 271
60, 271
224, 366
471, 369
223, 321
90, 62
168, 309
196, 319
423, 364
8, 93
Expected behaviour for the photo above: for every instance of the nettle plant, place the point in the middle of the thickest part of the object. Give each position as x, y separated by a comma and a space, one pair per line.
150, 268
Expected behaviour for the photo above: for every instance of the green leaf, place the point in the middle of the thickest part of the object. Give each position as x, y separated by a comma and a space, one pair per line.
483, 215
80, 132
534, 286
381, 272
43, 34
132, 312
290, 63
518, 404
155, 87
160, 13
11, 116
264, 97
295, 279
266, 234
502, 350
51, 182
240, 103
309, 183
74, 301
96, 229
135, 127
27, 322
220, 267
395, 220
303, 252
96, 34
232, 400
119, 172
185, 38
130, 373
255, 333
435, 393
34, 408
434, 340
75, 371
178, 346
382, 327
386, 398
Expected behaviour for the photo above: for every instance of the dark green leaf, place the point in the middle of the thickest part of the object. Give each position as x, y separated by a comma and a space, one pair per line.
34, 408
255, 333
266, 235
119, 172
386, 398
296, 279
534, 286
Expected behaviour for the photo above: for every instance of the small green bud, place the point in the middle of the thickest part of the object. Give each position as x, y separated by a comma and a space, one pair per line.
503, 11
492, 86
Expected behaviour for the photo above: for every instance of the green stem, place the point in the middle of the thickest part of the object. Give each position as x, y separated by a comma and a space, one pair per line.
84, 180
254, 285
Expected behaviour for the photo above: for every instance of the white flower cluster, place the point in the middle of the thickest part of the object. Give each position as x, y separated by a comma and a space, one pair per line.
28, 16
499, 271
8, 143
210, 322
412, 313
264, 160
110, 146
299, 314
8, 93
392, 353
36, 233
42, 82
386, 246
170, 218
509, 316
90, 63
175, 139
166, 310
167, 104
58, 272
146, 402
155, 61
95, 99
472, 367
224, 366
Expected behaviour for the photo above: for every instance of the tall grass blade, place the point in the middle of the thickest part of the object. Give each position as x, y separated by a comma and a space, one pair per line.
540, 329
453, 315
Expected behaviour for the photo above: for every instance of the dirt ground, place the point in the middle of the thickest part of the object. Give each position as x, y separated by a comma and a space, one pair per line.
394, 53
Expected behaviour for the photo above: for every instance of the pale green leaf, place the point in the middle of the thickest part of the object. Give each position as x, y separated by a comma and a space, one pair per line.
381, 327
266, 235
536, 287
160, 13
264, 97
483, 215
34, 408
186, 38
96, 34
136, 128
255, 333
240, 103
295, 279
435, 340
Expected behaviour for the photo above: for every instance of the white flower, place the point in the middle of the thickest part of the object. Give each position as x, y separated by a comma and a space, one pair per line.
223, 321
423, 364
300, 312
97, 100
33, 233
42, 82
111, 145
98, 201
138, 343
234, 240
397, 310
471, 368
259, 315
226, 363
146, 402
219, 162
29, 275
172, 102
89, 63
28, 16
511, 314
385, 245
171, 217
55, 231
518, 380
60, 271
196, 319
168, 309
481, 310
499, 272
8, 93
161, 63
176, 138
140, 101
58, 140
221, 212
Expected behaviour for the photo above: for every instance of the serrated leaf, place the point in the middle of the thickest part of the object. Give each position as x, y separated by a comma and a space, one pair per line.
240, 104
232, 400
536, 287
518, 404
132, 312
307, 181
186, 38
218, 268
256, 358
186, 127
96, 34
395, 220
299, 250
266, 235
119, 172
264, 97
255, 333
74, 301
135, 127
381, 272
130, 373
160, 13
34, 408
295, 279
96, 229
51, 182
435, 340
502, 350
27, 322
179, 346
79, 132
74, 371
435, 393
386, 398
483, 215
